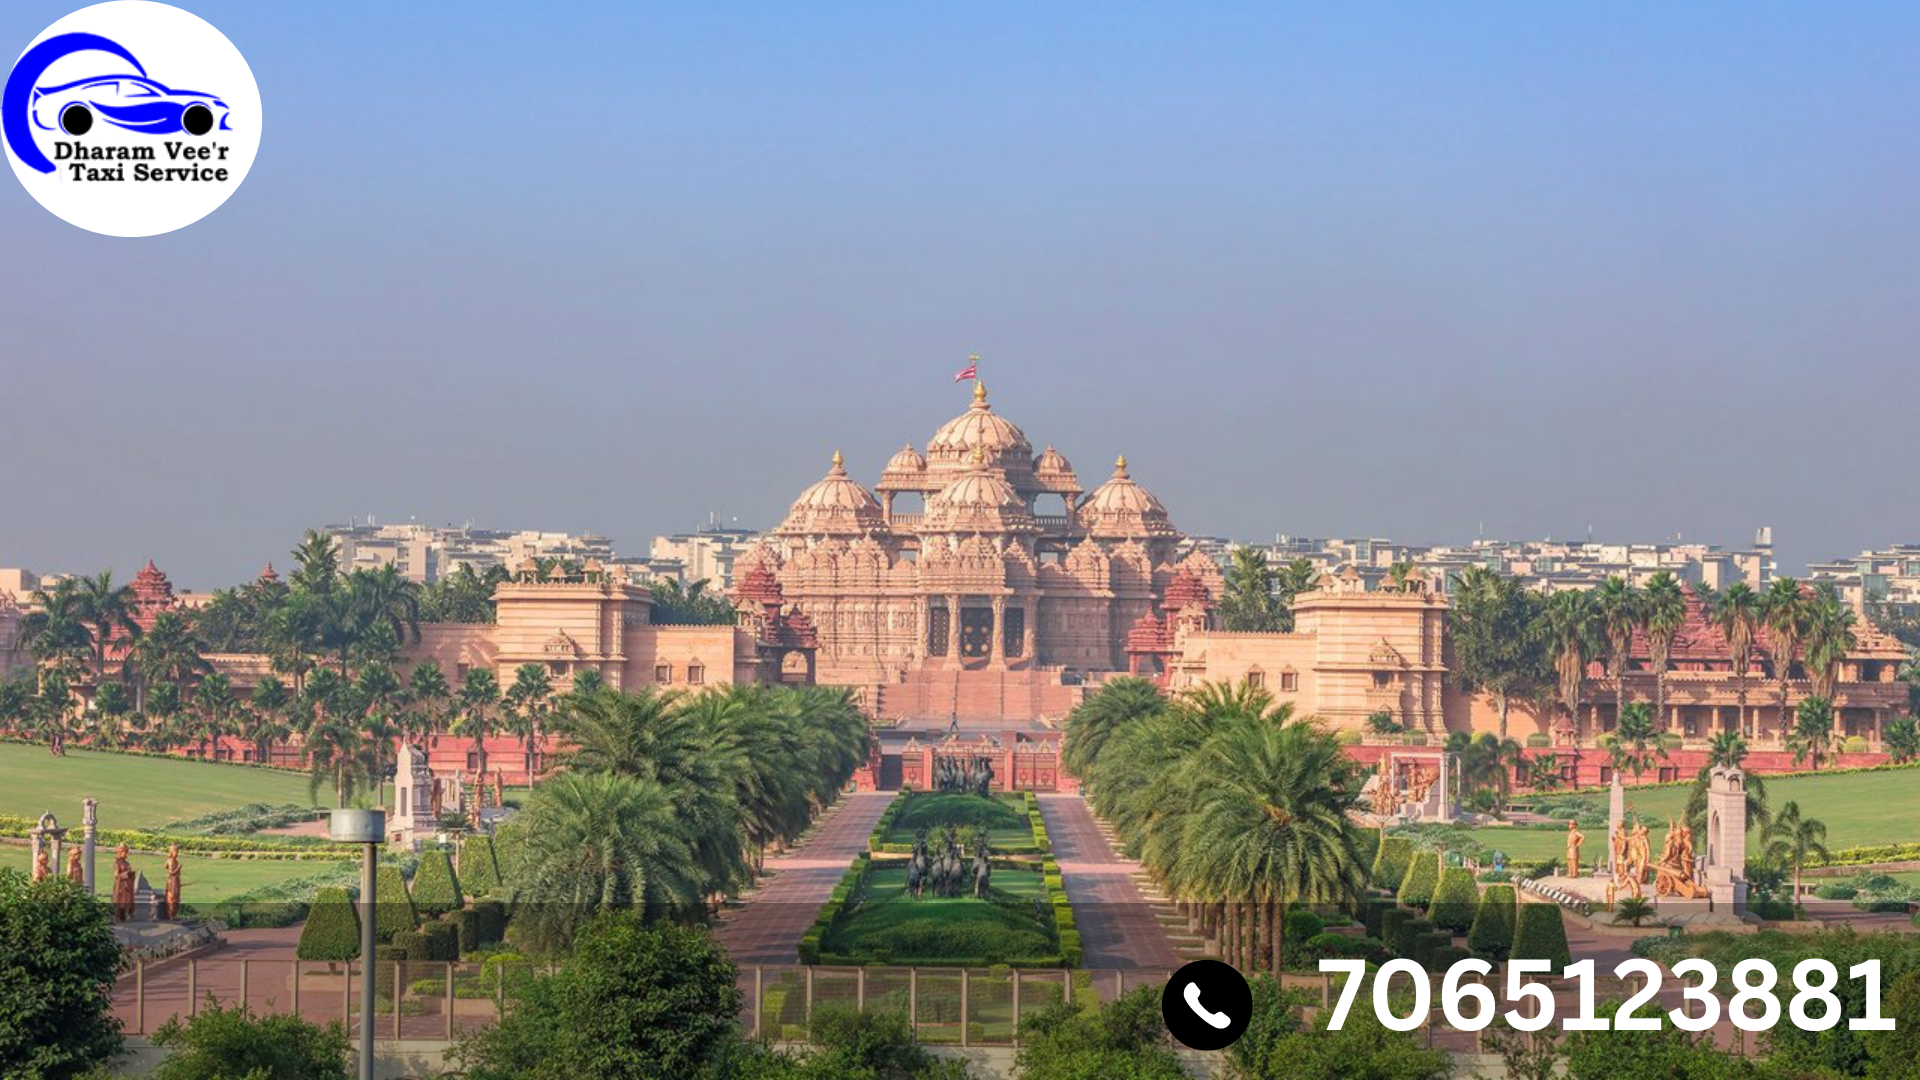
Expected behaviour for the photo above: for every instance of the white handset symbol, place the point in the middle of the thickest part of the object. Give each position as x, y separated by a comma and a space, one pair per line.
1217, 1019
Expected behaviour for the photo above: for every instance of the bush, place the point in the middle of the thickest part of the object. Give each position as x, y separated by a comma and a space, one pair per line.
332, 932
1855, 744
1302, 925
436, 890
392, 907
1455, 900
1423, 874
1338, 947
1391, 921
443, 941
1371, 912
58, 959
1538, 741
1347, 737
389, 963
1492, 932
1390, 861
466, 928
1445, 956
479, 874
1409, 937
220, 1042
1539, 933
492, 917
1835, 891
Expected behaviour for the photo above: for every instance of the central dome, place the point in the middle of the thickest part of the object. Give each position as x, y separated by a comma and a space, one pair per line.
980, 428
980, 500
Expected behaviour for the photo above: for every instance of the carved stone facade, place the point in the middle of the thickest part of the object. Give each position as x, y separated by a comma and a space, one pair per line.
1002, 567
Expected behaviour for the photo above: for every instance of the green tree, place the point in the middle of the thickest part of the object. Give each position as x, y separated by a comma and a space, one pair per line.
1830, 639
463, 596
1123, 1040
1636, 743
1495, 629
1665, 612
479, 700
1618, 609
58, 961
1812, 735
527, 706
167, 654
1293, 578
1792, 840
1118, 703
1786, 618
1570, 629
55, 626
1363, 1049
1727, 749
107, 609
221, 1043
1249, 603
690, 605
636, 1002
1902, 739
1739, 613
1540, 933
1491, 934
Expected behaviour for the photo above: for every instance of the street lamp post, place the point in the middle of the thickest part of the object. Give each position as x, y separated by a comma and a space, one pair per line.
367, 828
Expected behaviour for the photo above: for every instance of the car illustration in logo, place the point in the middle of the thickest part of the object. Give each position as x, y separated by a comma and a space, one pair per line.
133, 102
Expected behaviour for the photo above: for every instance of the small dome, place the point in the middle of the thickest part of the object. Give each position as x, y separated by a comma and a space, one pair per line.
981, 500
1121, 508
980, 428
1052, 461
907, 460
836, 505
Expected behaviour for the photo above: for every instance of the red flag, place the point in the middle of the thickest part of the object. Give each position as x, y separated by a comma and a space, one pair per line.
971, 371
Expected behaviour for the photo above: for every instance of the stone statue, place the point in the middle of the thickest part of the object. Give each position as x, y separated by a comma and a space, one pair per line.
122, 886
173, 882
76, 872
917, 865
1638, 856
438, 798
1574, 839
982, 870
43, 864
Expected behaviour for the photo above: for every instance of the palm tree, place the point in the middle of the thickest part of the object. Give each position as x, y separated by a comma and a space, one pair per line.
169, 654
267, 720
427, 698
526, 702
1494, 627
1727, 750
1618, 607
479, 697
1792, 840
213, 706
1902, 739
1543, 772
1632, 910
1270, 827
1120, 702
52, 711
107, 609
1570, 627
1739, 612
1785, 610
316, 563
383, 601
1248, 603
56, 626
594, 842
1812, 735
1830, 640
1665, 612
336, 752
1636, 742
1290, 580
1486, 764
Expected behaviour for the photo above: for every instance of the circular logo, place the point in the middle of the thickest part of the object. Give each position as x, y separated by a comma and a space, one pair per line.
1206, 1005
131, 118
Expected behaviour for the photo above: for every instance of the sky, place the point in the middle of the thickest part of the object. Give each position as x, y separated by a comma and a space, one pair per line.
1414, 271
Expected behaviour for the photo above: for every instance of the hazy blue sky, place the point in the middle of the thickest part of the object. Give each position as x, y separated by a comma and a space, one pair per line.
1391, 270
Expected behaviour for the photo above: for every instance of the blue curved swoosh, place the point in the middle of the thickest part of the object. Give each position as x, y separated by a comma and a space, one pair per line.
18, 94
158, 117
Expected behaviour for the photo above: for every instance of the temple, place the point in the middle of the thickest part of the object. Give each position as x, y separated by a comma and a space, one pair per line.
975, 581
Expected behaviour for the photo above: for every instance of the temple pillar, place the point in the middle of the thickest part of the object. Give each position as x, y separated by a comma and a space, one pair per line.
953, 631
90, 828
1028, 638
997, 654
920, 620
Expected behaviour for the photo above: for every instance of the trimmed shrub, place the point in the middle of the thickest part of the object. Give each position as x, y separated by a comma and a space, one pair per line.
1426, 945
1492, 931
1835, 891
466, 926
1370, 915
492, 916
389, 961
1539, 933
1337, 947
1854, 744
1423, 875
333, 928
1409, 937
1446, 956
1301, 926
392, 907
1347, 737
1455, 900
1392, 921
443, 941
1390, 861
436, 890
1538, 741
479, 874
414, 943
508, 846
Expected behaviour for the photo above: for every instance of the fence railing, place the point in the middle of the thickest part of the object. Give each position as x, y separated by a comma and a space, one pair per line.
965, 1007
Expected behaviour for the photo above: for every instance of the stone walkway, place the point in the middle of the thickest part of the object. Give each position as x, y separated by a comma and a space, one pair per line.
1119, 927
766, 929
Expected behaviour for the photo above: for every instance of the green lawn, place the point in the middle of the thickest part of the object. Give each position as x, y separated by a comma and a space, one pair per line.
202, 880
135, 792
930, 930
1004, 815
1860, 809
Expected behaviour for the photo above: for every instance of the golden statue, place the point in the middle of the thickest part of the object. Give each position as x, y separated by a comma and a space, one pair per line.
74, 873
122, 886
1574, 839
173, 882
43, 863
1673, 874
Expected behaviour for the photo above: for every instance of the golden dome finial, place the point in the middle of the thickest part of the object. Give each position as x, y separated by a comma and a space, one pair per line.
979, 392
1120, 465
838, 461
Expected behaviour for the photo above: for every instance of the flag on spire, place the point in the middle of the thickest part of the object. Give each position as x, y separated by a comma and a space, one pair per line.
971, 371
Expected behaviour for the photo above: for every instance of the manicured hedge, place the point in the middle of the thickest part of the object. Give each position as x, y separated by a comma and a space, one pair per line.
1392, 921
1337, 947
436, 890
1492, 931
1302, 925
389, 961
1539, 933
443, 941
392, 909
1409, 937
1423, 875
333, 928
1454, 900
1446, 956
263, 847
1390, 861
492, 917
1370, 915
479, 875
466, 927
508, 845
1425, 946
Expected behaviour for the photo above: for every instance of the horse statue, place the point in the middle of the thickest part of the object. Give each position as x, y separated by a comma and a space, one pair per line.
982, 870
917, 866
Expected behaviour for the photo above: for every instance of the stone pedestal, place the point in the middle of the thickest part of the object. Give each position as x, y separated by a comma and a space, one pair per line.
1726, 862
1616, 816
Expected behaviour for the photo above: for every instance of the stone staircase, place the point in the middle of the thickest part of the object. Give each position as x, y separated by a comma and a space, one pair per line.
992, 698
